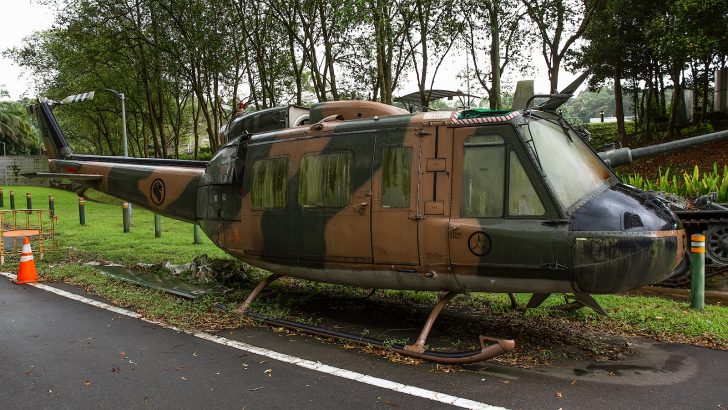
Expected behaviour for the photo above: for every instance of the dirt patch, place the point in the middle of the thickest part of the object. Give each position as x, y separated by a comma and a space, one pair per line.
679, 161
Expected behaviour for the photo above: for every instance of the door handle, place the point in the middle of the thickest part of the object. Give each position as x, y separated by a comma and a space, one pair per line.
362, 207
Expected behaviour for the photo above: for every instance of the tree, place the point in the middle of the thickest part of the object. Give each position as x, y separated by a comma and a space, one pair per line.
433, 34
615, 44
560, 24
392, 21
16, 129
493, 28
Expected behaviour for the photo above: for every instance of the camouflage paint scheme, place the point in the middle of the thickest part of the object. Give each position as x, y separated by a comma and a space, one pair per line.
427, 246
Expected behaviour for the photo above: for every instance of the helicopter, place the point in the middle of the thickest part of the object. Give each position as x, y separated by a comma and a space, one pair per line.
365, 194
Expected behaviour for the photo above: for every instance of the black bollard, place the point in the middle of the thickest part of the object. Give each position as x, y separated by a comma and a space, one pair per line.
28, 201
12, 199
51, 205
81, 211
2, 199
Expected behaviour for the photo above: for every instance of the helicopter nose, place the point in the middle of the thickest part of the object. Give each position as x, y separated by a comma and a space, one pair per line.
624, 238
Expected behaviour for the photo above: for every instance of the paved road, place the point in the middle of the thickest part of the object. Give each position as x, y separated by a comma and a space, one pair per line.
60, 353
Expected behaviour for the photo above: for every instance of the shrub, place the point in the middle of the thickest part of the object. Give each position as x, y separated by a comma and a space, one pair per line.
603, 133
690, 185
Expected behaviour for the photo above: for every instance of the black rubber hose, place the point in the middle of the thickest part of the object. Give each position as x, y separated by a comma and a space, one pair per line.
354, 338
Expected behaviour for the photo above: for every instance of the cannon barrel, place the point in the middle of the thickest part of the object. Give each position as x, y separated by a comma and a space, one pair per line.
623, 156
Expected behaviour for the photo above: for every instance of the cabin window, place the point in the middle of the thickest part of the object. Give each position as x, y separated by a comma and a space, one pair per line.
483, 176
396, 177
522, 197
325, 180
270, 181
269, 121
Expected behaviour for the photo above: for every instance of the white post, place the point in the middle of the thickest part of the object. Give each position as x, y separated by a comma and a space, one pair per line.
123, 122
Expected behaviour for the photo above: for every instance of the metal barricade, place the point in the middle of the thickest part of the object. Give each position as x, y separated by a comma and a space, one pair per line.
18, 223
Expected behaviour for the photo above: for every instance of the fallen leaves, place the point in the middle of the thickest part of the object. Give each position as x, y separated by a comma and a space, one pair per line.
446, 368
269, 372
86, 383
558, 395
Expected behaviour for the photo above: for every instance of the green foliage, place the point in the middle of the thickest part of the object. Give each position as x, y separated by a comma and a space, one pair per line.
603, 133
690, 185
103, 238
17, 130
589, 104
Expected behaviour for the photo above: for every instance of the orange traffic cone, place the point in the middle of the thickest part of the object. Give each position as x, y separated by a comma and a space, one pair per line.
26, 269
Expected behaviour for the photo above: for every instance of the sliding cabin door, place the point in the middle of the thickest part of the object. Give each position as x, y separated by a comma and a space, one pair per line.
394, 201
308, 201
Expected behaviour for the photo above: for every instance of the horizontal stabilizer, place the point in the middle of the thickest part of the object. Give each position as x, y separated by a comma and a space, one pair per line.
79, 177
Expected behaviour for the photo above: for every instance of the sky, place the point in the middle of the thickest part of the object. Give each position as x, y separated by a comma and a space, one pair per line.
20, 18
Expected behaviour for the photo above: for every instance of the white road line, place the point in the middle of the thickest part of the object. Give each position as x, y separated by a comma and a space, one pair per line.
282, 357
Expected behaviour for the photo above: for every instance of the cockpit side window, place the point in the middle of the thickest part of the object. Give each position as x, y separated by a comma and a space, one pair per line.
522, 197
483, 176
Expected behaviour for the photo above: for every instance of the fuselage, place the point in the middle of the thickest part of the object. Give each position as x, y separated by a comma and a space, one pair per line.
460, 201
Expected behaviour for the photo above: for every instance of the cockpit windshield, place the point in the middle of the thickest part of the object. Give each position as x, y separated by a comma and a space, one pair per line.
571, 168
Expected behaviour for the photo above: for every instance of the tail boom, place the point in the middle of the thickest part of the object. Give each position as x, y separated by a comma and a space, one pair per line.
167, 190
168, 187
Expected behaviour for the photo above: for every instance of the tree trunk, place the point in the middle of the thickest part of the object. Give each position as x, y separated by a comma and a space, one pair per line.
195, 129
675, 100
618, 103
494, 96
706, 90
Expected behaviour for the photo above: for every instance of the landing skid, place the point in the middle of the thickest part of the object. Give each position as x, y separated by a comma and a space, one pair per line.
580, 300
417, 350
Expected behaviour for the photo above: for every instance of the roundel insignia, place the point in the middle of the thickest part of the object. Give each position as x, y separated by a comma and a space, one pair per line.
479, 243
157, 191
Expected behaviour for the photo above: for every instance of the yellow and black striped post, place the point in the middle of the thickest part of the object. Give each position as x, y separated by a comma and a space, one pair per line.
81, 210
697, 267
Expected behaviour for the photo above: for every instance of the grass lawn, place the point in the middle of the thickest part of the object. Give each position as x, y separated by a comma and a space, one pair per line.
540, 332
